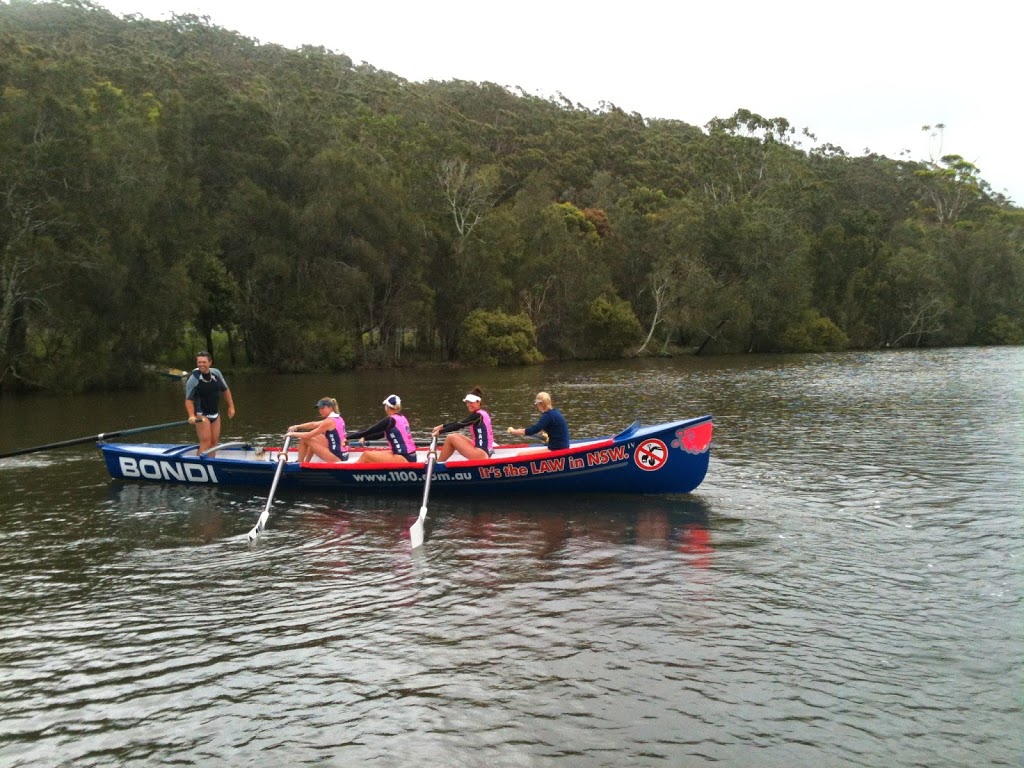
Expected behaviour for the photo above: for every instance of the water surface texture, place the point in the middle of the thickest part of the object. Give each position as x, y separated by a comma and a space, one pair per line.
844, 588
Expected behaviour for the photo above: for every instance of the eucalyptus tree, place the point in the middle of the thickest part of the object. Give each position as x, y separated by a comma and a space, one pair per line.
562, 275
123, 184
772, 256
672, 288
911, 305
88, 295
742, 157
362, 238
164, 176
31, 209
461, 282
950, 186
634, 246
858, 204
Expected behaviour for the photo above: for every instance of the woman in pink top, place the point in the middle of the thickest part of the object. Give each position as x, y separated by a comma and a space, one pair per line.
481, 445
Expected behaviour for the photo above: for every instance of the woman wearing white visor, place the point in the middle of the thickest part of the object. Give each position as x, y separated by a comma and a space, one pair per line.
481, 445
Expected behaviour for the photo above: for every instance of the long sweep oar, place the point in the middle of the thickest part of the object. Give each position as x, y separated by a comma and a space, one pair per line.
540, 437
416, 532
282, 459
94, 438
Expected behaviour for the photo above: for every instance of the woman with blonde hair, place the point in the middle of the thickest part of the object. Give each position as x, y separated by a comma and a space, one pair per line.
551, 421
325, 438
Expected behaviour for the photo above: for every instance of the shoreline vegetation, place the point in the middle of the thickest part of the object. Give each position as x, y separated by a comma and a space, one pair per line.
172, 186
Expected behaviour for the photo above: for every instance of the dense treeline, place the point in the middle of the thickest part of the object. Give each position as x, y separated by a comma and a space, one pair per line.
168, 185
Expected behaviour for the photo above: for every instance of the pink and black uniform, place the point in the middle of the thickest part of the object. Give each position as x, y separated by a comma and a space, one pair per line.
336, 438
479, 421
395, 429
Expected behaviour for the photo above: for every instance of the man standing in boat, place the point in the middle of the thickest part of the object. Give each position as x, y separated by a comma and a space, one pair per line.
203, 388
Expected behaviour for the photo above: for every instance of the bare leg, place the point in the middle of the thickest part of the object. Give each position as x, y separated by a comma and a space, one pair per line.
317, 445
456, 443
379, 457
203, 433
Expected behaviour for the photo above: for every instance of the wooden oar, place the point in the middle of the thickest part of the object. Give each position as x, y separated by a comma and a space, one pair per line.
94, 438
282, 459
416, 532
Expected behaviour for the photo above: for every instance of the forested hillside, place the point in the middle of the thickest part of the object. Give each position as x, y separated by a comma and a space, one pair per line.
171, 185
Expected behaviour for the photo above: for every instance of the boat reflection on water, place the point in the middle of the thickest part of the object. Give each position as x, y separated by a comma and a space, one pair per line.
540, 525
161, 515
696, 541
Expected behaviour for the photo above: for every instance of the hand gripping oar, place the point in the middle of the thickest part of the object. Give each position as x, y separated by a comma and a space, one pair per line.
282, 459
416, 532
94, 438
540, 437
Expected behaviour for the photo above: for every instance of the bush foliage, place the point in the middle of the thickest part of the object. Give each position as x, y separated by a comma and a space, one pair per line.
167, 182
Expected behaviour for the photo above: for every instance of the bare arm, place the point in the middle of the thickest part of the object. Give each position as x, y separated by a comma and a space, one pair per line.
313, 427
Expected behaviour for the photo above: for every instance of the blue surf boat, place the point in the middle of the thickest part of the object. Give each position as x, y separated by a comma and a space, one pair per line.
662, 458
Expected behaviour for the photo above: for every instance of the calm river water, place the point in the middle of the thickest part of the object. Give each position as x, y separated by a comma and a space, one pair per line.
845, 588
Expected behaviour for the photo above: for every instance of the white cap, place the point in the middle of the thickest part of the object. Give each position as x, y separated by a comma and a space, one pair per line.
392, 401
471, 398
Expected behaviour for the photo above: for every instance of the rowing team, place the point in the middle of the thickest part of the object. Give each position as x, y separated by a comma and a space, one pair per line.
328, 440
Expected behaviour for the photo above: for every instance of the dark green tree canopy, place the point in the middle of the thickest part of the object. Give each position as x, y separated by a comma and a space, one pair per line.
173, 185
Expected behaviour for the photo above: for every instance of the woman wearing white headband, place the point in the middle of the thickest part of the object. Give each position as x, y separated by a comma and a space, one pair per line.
481, 446
394, 427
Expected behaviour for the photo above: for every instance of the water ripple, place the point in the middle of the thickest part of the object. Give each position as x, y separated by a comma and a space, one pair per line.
845, 588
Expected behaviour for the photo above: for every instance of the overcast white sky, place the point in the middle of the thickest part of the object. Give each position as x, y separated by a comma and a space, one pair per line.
862, 75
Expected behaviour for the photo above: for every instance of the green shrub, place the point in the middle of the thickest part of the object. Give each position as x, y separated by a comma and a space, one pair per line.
497, 338
813, 333
610, 328
1003, 330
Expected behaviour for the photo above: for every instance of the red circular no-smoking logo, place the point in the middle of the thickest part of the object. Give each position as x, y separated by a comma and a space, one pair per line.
650, 455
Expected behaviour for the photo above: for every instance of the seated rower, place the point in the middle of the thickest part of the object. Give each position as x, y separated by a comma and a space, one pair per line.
395, 427
551, 421
324, 439
481, 446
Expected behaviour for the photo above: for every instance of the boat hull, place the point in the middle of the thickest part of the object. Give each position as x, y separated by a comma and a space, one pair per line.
665, 458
